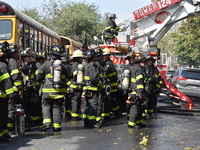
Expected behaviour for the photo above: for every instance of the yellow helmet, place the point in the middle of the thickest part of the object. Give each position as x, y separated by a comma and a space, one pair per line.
106, 51
77, 53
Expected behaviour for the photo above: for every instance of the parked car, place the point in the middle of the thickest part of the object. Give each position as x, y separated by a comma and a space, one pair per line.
169, 74
187, 81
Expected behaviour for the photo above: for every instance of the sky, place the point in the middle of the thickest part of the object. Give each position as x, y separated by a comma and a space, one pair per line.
122, 8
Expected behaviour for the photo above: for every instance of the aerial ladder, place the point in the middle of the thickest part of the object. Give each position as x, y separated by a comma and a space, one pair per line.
150, 23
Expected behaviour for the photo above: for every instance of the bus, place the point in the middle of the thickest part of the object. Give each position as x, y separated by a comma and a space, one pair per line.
17, 27
70, 44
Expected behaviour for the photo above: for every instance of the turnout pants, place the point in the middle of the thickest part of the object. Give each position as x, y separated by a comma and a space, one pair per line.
52, 113
76, 103
135, 110
3, 116
93, 109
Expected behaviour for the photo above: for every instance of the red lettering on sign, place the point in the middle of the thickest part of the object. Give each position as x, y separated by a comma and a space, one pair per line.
160, 17
122, 61
151, 8
115, 60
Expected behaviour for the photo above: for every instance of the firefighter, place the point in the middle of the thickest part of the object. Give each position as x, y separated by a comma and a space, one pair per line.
30, 96
105, 109
91, 91
125, 79
112, 82
53, 74
111, 29
35, 99
76, 85
153, 86
17, 79
6, 92
137, 95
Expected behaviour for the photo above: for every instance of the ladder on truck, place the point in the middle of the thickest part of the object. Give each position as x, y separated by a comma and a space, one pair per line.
150, 23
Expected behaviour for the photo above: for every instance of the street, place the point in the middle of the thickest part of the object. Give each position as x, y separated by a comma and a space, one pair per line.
165, 131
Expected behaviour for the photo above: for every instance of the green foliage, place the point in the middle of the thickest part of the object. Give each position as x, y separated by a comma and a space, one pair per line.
75, 20
187, 41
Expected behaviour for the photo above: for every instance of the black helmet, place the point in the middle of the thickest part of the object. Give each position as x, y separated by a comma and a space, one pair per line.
26, 53
98, 51
4, 48
57, 50
150, 58
129, 55
113, 16
140, 58
13, 47
40, 54
90, 53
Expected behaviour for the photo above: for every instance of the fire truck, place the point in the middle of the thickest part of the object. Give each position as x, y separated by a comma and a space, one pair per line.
148, 25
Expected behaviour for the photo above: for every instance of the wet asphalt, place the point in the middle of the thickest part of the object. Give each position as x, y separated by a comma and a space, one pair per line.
168, 130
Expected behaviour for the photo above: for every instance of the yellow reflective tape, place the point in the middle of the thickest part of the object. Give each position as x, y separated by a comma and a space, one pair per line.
98, 118
84, 116
86, 78
4, 76
74, 115
49, 75
48, 120
133, 80
91, 117
139, 77
56, 125
105, 114
140, 86
114, 84
14, 71
18, 83
36, 118
116, 108
10, 125
50, 90
9, 91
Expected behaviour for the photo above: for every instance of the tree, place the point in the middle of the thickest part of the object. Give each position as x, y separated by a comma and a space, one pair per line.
187, 41
75, 20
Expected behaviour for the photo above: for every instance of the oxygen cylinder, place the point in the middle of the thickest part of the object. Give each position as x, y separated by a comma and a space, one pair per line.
20, 116
79, 79
126, 80
57, 72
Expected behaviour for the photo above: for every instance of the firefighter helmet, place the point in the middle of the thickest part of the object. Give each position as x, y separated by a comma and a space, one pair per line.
40, 54
4, 48
26, 53
98, 51
106, 51
129, 55
13, 47
90, 53
57, 50
77, 53
113, 16
150, 58
140, 58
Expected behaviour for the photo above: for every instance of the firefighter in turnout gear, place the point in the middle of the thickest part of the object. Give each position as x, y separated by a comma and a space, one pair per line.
126, 79
6, 92
76, 85
111, 29
35, 100
91, 91
105, 109
30, 97
153, 86
137, 93
17, 79
112, 82
53, 74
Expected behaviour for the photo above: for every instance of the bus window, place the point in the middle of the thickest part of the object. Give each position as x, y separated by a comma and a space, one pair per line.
27, 36
5, 29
